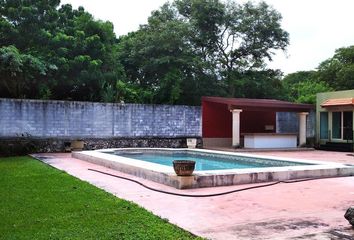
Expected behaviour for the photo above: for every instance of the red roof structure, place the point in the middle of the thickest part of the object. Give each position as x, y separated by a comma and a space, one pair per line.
338, 102
261, 104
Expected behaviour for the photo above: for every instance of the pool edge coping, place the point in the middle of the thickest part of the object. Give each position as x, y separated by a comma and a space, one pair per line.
210, 178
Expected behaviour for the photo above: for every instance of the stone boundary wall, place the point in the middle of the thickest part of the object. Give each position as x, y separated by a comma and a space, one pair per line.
39, 118
23, 145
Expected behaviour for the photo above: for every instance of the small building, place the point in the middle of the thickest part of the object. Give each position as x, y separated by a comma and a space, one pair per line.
250, 123
334, 125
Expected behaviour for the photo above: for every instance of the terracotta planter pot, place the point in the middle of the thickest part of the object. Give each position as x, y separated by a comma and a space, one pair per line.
183, 167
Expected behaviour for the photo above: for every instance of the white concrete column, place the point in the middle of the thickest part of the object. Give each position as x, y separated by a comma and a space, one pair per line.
302, 128
236, 127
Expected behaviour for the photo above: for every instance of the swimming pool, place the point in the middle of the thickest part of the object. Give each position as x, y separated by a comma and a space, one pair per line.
225, 168
204, 161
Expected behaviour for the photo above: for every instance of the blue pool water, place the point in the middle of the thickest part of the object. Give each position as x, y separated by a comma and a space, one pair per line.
207, 161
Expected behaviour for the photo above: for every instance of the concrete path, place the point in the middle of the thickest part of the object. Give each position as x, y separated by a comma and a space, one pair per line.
305, 210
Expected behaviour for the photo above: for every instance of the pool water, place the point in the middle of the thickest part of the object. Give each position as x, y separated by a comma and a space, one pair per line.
208, 162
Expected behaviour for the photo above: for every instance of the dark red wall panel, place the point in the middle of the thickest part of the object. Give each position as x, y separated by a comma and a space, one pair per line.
255, 121
217, 121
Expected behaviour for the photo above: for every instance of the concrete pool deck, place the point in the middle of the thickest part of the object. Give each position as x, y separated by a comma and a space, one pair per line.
304, 210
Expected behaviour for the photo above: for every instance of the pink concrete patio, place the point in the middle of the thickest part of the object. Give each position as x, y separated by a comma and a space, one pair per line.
305, 210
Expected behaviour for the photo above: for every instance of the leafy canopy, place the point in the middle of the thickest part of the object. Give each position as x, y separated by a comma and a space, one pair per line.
188, 48
303, 86
338, 71
335, 73
72, 55
191, 48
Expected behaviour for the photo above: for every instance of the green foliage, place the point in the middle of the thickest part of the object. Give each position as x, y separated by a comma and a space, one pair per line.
21, 74
67, 51
203, 47
303, 86
307, 91
259, 84
188, 48
158, 60
49, 204
338, 71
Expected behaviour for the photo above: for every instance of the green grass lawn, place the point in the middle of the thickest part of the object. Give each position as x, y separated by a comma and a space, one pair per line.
40, 202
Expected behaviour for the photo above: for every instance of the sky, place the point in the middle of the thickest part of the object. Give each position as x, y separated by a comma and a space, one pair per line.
316, 27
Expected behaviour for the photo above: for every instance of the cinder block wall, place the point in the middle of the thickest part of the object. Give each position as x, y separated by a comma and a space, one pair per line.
39, 118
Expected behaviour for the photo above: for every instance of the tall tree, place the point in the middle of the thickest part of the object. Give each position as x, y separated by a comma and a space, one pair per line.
338, 71
160, 61
202, 47
235, 38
